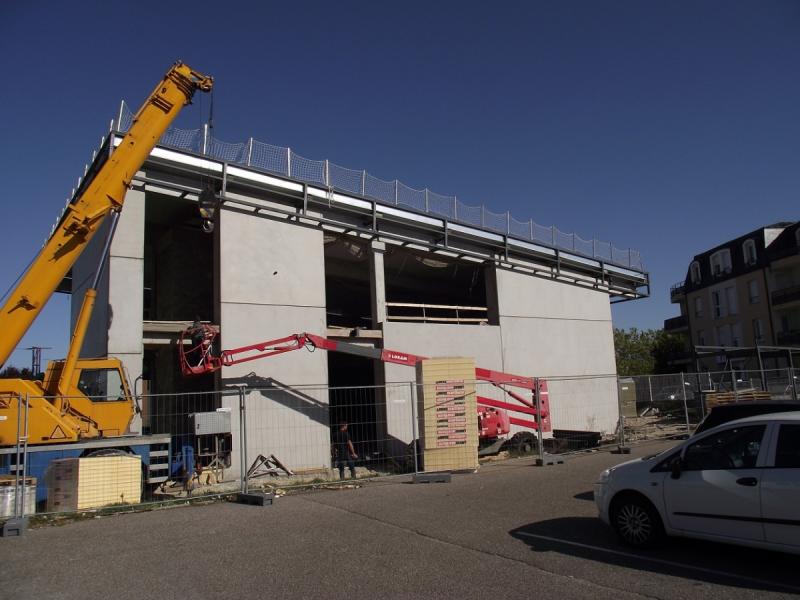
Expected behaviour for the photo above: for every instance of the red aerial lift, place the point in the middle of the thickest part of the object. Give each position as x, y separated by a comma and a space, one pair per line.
198, 356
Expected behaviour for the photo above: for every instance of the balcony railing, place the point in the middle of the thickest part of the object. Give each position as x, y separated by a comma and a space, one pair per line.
676, 290
437, 313
789, 338
676, 323
788, 294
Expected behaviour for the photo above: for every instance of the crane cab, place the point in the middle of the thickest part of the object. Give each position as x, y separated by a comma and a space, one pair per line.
98, 403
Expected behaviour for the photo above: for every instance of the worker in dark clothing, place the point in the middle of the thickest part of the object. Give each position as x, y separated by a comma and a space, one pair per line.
344, 451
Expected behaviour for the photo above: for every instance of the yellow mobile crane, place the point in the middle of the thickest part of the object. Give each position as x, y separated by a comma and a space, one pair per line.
60, 409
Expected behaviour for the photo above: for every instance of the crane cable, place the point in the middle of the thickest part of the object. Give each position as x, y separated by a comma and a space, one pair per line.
207, 200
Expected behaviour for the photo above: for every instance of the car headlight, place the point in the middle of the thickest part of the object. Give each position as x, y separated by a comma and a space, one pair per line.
605, 476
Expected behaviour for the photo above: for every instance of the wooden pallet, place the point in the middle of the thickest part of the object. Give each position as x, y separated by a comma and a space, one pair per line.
716, 398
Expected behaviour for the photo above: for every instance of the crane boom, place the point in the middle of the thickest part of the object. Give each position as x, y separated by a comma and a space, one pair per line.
104, 194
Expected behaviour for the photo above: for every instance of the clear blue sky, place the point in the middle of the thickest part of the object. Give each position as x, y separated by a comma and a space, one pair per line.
668, 127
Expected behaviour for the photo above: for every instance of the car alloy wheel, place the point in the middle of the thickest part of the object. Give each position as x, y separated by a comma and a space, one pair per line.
634, 524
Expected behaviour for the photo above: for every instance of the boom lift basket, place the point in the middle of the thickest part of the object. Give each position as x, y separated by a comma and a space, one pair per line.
198, 354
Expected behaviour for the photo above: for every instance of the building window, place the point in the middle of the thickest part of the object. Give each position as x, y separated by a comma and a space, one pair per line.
749, 251
721, 262
723, 335
752, 291
758, 330
694, 272
730, 300
736, 334
716, 302
701, 337
698, 307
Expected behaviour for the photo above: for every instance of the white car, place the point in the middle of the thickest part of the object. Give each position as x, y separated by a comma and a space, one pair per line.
737, 483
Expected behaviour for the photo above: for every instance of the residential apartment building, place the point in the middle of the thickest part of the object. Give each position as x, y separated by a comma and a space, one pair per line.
745, 292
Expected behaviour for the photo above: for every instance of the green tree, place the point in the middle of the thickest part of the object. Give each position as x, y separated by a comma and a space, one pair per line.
646, 351
633, 348
666, 349
15, 373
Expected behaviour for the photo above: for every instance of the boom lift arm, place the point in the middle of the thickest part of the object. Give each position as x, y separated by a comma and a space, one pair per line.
104, 194
201, 358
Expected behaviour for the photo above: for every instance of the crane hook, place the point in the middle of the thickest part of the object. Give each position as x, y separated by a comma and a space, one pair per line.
207, 204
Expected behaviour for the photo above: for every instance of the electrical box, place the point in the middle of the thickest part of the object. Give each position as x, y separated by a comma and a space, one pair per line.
210, 423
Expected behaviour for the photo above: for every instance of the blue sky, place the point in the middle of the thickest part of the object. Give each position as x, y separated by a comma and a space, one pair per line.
668, 127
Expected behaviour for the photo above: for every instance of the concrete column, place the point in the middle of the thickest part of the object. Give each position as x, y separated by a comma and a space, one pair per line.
115, 328
492, 301
125, 289
377, 284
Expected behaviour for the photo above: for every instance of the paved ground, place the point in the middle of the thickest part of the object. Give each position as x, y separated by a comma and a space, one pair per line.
511, 531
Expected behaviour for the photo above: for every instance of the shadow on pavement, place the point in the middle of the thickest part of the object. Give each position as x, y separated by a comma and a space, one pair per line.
585, 496
736, 566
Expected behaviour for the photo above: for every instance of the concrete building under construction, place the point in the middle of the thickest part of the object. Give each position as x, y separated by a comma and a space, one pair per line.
306, 246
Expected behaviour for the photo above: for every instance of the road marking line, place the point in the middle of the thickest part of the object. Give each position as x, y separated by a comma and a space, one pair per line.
661, 561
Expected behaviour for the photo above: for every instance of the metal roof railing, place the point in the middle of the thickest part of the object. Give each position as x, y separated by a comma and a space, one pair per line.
286, 162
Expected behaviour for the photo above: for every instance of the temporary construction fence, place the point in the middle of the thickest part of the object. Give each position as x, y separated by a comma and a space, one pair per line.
284, 161
666, 406
282, 437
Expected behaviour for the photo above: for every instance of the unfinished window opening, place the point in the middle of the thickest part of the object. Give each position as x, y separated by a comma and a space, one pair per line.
353, 401
429, 288
347, 282
178, 262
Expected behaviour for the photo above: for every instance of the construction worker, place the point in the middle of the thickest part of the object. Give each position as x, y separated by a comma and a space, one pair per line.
344, 451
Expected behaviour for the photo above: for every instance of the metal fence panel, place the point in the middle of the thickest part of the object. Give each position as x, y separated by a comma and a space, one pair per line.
378, 189
304, 429
521, 229
347, 180
441, 205
227, 151
183, 139
269, 158
215, 443
306, 169
411, 197
545, 235
495, 221
469, 214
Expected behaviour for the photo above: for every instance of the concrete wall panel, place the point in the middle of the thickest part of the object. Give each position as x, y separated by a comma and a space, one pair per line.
552, 330
270, 262
432, 340
522, 295
284, 418
125, 298
272, 284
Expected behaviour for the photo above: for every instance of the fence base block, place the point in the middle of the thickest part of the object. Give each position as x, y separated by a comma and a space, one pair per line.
255, 498
14, 527
621, 450
548, 460
431, 478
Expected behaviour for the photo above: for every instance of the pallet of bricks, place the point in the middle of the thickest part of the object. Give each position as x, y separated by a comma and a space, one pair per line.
713, 399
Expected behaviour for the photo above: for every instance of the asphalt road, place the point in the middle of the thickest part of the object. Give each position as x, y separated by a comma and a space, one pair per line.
510, 531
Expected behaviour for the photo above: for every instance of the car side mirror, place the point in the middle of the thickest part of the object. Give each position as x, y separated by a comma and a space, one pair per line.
677, 469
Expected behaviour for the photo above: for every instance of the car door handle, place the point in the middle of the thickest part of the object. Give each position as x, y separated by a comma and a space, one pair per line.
748, 481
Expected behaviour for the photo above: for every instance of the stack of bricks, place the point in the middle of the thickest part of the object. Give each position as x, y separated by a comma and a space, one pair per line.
449, 414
